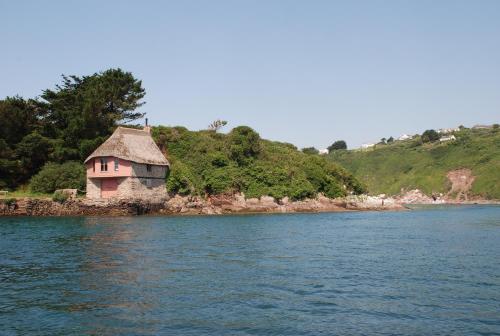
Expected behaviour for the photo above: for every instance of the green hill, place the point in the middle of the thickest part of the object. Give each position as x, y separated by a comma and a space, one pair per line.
412, 164
206, 162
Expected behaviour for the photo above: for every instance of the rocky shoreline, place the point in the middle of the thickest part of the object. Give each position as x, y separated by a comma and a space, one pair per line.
220, 204
192, 205
416, 196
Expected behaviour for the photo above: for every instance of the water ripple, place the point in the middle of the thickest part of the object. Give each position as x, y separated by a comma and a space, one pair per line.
425, 272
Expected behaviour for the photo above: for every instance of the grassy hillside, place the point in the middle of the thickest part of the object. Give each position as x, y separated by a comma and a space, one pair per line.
410, 164
206, 162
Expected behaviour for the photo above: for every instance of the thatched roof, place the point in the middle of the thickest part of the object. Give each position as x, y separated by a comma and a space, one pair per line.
133, 145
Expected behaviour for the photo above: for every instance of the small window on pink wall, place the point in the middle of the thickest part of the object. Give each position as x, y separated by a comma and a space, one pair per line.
104, 165
117, 164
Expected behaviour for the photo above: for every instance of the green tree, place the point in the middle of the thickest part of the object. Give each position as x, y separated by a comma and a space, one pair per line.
18, 118
91, 106
390, 140
310, 150
243, 143
340, 144
217, 181
53, 176
33, 151
9, 167
430, 136
87, 146
217, 125
180, 179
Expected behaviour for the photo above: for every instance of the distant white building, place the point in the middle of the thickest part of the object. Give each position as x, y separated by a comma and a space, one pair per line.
447, 138
448, 130
405, 137
365, 146
323, 151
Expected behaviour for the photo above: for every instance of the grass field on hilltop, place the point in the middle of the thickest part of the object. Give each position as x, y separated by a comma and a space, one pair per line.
410, 164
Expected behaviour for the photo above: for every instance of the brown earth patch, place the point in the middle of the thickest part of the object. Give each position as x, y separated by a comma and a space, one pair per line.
461, 182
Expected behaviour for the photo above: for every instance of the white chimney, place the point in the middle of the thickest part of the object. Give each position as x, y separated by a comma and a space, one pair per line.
146, 128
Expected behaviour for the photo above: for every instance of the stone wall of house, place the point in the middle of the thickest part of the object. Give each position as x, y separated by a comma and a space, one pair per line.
143, 184
93, 188
140, 170
142, 188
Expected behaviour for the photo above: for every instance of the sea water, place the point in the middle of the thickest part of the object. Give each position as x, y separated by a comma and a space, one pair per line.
431, 271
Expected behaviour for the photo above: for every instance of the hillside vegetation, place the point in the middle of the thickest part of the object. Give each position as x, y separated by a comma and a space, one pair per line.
206, 162
44, 140
413, 164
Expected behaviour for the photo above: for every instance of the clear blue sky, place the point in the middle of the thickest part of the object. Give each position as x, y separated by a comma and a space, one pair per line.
305, 72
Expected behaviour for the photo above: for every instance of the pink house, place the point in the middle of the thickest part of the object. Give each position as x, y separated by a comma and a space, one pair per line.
129, 165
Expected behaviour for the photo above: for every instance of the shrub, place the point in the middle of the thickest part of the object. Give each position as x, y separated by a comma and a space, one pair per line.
300, 189
310, 150
430, 136
60, 197
215, 163
53, 176
218, 181
340, 144
243, 143
218, 159
180, 179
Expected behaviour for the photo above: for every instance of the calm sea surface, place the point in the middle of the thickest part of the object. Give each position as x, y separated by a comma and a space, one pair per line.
425, 272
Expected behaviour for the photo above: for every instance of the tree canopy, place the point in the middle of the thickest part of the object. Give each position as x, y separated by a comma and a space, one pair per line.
209, 163
65, 123
310, 150
340, 144
430, 136
243, 144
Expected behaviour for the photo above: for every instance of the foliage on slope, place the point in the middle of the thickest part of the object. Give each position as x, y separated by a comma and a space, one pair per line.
412, 164
43, 141
53, 176
206, 162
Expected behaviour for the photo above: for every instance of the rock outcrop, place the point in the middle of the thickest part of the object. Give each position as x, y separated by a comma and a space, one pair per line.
417, 196
192, 205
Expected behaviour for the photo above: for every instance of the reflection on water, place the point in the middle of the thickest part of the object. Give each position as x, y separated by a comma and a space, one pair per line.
431, 271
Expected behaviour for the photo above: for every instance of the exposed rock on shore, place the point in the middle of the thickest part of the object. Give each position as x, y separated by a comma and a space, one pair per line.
416, 196
266, 204
192, 205
457, 195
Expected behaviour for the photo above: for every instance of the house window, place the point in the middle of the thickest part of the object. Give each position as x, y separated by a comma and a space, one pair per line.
104, 165
117, 165
93, 165
148, 168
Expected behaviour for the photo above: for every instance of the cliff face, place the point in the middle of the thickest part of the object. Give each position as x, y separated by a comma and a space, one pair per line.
189, 205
